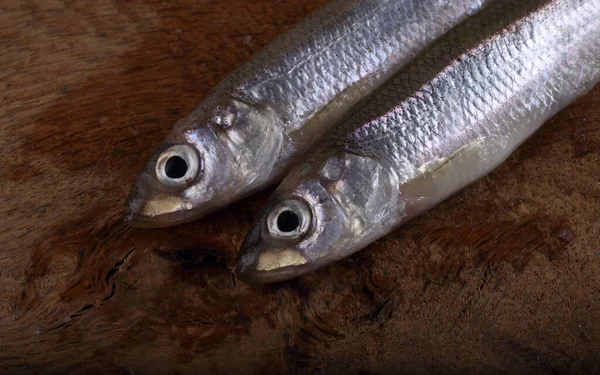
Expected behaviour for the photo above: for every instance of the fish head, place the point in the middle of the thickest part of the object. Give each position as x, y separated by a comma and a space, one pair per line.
327, 208
211, 159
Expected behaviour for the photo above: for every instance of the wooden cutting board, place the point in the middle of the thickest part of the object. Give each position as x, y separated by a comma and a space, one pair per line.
503, 276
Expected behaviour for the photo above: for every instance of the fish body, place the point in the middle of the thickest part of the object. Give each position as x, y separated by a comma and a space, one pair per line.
262, 118
451, 116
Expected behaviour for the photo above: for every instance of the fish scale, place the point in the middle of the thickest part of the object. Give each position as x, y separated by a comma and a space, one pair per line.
457, 111
372, 138
370, 49
263, 117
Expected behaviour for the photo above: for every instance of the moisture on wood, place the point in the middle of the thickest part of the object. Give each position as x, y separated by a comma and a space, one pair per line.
503, 276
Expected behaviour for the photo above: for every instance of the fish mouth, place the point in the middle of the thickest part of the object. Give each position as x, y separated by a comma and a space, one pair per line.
159, 212
136, 220
254, 266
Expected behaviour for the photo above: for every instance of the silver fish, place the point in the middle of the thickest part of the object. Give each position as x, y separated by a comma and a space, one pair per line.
450, 117
262, 118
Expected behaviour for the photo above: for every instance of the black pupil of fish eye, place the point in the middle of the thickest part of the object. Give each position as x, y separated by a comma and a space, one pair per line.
176, 167
288, 221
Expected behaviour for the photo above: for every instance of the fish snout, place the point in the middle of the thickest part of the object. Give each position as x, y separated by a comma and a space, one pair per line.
133, 215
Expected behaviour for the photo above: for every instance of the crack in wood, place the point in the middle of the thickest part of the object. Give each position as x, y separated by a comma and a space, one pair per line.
185, 321
114, 270
82, 311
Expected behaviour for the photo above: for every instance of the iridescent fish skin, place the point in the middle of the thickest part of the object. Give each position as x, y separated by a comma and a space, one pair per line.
451, 116
261, 119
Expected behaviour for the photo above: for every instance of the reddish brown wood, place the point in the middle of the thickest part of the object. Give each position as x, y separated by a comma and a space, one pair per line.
504, 276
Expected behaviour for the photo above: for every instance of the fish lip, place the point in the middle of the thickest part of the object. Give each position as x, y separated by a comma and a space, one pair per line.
253, 276
138, 221
246, 269
135, 219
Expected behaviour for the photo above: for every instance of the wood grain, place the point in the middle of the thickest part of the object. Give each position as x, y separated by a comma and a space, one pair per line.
503, 277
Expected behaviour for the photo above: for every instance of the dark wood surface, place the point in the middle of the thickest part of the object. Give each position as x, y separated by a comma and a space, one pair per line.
504, 276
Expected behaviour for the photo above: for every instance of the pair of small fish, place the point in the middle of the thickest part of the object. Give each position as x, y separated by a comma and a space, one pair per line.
401, 103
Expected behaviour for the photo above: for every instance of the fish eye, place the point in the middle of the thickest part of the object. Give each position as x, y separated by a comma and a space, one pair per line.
177, 166
289, 220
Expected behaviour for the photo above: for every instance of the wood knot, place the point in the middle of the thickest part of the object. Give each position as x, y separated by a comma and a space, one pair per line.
63, 263
379, 286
